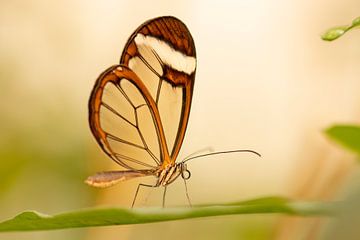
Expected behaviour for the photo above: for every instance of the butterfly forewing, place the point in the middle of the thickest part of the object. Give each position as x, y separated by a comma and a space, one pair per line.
162, 53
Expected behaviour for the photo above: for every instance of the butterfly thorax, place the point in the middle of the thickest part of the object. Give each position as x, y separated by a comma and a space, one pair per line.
170, 173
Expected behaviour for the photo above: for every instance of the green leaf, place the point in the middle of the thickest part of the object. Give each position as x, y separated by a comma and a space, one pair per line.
336, 32
32, 220
346, 135
356, 22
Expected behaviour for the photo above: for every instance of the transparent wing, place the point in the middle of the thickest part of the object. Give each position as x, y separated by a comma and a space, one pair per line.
162, 53
123, 120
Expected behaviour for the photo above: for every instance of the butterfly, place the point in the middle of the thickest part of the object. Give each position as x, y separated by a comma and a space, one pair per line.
139, 109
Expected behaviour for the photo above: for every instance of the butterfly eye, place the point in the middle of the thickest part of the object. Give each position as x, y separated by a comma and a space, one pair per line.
186, 174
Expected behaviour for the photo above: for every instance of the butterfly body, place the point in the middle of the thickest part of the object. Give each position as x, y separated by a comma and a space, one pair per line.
170, 173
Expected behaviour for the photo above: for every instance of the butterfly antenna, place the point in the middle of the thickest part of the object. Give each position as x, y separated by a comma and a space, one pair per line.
207, 149
223, 152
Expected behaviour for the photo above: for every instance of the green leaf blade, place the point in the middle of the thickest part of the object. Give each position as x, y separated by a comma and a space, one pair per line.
30, 221
346, 135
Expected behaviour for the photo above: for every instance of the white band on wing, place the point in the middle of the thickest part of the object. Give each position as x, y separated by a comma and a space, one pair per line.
167, 54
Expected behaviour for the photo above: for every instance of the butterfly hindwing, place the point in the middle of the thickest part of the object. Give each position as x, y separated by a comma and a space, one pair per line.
124, 120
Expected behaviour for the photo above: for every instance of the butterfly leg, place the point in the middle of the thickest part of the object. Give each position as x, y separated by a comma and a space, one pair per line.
187, 194
163, 202
137, 191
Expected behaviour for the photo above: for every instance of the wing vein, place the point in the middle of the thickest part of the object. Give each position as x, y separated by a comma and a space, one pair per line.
158, 91
115, 138
153, 156
158, 58
116, 113
148, 65
133, 160
125, 95
143, 139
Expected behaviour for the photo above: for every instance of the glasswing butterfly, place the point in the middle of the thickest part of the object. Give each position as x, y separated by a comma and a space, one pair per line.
139, 109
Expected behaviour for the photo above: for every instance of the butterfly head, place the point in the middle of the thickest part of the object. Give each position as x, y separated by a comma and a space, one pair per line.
185, 173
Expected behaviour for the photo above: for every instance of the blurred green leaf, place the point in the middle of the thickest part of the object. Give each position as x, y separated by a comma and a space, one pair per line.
32, 220
346, 135
356, 22
345, 225
336, 32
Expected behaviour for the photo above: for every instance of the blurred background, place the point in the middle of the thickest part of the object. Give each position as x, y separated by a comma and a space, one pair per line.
265, 81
